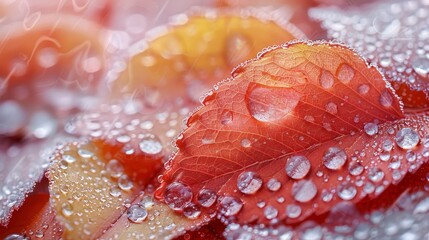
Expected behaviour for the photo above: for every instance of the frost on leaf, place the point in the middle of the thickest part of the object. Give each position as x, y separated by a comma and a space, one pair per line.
197, 50
299, 129
392, 34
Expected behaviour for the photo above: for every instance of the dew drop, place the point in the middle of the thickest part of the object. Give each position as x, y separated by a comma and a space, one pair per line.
191, 211
125, 183
293, 211
387, 145
410, 156
363, 89
249, 182
246, 143
304, 190
331, 108
230, 206
16, 237
115, 191
114, 168
334, 158
346, 73
375, 174
226, 117
177, 195
123, 139
407, 138
386, 99
371, 129
326, 79
206, 197
421, 66
151, 145
355, 168
67, 209
270, 212
270, 104
385, 156
346, 191
273, 185
69, 159
137, 213
85, 153
297, 167
147, 202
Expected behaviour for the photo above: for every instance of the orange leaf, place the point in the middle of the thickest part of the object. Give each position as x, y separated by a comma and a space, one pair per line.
300, 128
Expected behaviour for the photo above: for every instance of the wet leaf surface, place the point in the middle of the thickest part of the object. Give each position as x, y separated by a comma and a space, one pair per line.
299, 129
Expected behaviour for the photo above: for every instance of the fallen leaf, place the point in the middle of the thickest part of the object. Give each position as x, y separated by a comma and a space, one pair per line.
299, 129
196, 50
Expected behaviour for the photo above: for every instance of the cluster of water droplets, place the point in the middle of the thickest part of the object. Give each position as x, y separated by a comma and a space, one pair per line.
392, 34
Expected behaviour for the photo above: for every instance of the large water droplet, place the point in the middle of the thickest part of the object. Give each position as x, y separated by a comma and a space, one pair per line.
151, 145
334, 158
297, 167
206, 197
230, 206
304, 190
407, 138
421, 66
346, 191
326, 79
371, 129
177, 195
268, 104
346, 73
293, 211
137, 213
249, 182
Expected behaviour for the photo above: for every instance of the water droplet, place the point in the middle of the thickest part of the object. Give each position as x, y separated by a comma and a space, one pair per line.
246, 143
355, 168
346, 73
151, 145
346, 191
269, 104
387, 145
191, 211
137, 213
177, 195
230, 206
270, 212
124, 183
297, 167
147, 202
69, 159
331, 108
386, 99
226, 117
249, 182
273, 185
410, 156
123, 139
42, 124
16, 237
371, 129
293, 211
206, 197
85, 153
115, 191
114, 168
375, 174
12, 117
363, 89
334, 158
384, 156
67, 209
407, 138
326, 79
421, 66
304, 190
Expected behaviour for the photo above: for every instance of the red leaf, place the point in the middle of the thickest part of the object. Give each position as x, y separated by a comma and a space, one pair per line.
285, 137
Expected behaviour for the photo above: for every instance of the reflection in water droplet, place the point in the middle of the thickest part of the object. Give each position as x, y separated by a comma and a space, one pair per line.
407, 138
304, 190
249, 182
177, 195
269, 104
326, 79
137, 213
346, 73
206, 197
334, 158
230, 206
297, 167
